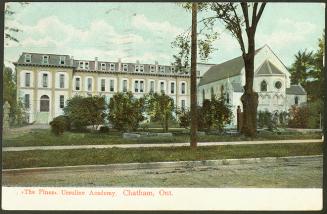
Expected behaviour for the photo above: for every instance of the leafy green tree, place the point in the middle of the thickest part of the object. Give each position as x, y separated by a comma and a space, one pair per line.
126, 111
160, 108
85, 111
302, 67
60, 124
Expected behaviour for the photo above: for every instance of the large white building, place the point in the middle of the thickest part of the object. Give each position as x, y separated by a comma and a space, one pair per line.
46, 81
271, 81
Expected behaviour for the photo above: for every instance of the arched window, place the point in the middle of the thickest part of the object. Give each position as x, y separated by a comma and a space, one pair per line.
227, 98
296, 100
212, 94
44, 103
263, 86
222, 91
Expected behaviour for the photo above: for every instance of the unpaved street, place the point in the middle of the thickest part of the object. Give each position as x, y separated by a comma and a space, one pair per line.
293, 173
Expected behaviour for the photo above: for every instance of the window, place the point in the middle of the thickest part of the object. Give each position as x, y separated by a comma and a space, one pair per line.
263, 86
152, 68
151, 86
136, 68
45, 80
27, 79
124, 85
183, 88
103, 66
162, 69
172, 88
296, 100
89, 84
28, 58
172, 69
203, 95
103, 84
183, 104
86, 65
45, 59
81, 65
44, 103
77, 83
162, 87
112, 67
141, 86
112, 85
27, 101
141, 68
62, 60
278, 84
125, 67
222, 91
136, 86
61, 81
61, 101
227, 98
212, 93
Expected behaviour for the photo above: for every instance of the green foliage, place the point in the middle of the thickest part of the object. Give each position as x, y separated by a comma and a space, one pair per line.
270, 120
85, 111
126, 111
316, 114
298, 117
60, 124
160, 108
104, 129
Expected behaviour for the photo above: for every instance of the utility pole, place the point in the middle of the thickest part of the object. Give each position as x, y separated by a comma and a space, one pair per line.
194, 117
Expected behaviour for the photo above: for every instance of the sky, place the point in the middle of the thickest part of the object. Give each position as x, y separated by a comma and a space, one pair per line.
145, 31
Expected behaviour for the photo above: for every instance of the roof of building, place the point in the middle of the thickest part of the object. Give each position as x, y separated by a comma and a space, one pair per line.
268, 68
37, 59
224, 70
296, 90
237, 87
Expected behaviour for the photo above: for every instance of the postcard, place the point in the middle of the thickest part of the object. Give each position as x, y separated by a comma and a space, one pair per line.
163, 106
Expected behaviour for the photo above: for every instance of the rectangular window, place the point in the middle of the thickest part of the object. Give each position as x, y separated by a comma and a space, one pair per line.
125, 67
141, 86
136, 68
183, 88
45, 59
77, 84
89, 84
124, 85
45, 80
112, 85
62, 101
162, 69
112, 67
87, 65
152, 68
103, 66
103, 84
81, 65
151, 86
141, 68
62, 81
28, 58
162, 87
136, 86
62, 60
172, 88
27, 79
183, 104
27, 101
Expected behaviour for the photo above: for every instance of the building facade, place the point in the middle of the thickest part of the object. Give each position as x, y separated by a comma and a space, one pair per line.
47, 81
271, 81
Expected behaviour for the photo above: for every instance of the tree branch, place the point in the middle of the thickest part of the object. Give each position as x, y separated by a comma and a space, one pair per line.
262, 7
245, 13
254, 14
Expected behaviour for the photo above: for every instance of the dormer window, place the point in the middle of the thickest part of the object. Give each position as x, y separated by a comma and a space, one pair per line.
162, 69
87, 65
62, 60
172, 69
141, 68
45, 59
152, 68
136, 68
125, 67
81, 65
103, 66
28, 58
112, 67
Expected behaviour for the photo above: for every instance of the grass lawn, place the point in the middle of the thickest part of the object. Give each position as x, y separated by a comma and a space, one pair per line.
49, 158
46, 138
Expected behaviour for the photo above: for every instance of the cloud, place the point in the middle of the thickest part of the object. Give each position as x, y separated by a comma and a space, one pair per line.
164, 27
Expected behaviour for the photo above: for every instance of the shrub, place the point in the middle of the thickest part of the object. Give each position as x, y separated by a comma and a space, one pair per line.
298, 117
59, 125
104, 129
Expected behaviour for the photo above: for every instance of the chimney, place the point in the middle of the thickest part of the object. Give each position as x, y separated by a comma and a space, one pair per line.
137, 61
96, 63
119, 64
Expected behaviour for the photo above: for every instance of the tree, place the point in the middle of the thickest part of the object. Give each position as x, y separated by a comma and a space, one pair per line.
126, 111
85, 111
302, 67
160, 108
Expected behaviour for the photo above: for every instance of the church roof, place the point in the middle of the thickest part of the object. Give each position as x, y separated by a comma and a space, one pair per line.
237, 87
268, 68
296, 90
224, 70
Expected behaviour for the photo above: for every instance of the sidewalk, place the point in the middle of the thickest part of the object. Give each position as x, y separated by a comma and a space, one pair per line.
30, 148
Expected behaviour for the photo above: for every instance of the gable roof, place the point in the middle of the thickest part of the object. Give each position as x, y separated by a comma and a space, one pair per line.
268, 68
296, 90
224, 70
237, 87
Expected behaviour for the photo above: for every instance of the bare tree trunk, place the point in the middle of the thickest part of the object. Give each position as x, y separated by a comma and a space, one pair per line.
194, 122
